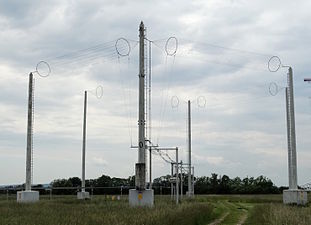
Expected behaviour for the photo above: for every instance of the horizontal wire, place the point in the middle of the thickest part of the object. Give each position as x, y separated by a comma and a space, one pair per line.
85, 54
89, 58
82, 50
228, 48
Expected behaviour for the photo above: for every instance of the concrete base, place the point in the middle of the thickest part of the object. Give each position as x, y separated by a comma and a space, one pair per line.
297, 197
27, 196
141, 198
83, 195
191, 194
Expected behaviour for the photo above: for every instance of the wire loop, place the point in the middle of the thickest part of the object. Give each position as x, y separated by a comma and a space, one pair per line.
201, 101
99, 92
274, 63
174, 101
43, 69
171, 52
118, 48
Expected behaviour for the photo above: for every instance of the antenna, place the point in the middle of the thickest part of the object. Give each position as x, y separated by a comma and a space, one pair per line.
43, 70
98, 92
140, 196
293, 195
201, 103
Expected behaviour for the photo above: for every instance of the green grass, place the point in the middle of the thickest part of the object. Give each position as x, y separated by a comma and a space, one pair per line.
66, 210
201, 210
279, 214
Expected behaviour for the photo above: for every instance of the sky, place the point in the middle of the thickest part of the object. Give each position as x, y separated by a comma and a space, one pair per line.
222, 52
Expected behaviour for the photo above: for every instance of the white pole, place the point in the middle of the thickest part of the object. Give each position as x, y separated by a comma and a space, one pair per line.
181, 180
193, 180
29, 134
289, 147
149, 106
292, 129
84, 141
172, 191
177, 177
189, 149
140, 167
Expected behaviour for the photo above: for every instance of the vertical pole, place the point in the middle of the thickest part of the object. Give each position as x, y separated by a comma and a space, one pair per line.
193, 180
172, 182
150, 164
149, 106
289, 147
292, 128
189, 149
84, 142
177, 177
140, 167
29, 134
181, 180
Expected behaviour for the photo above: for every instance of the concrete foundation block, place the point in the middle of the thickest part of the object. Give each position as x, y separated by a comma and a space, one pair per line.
191, 194
141, 198
297, 197
27, 196
83, 195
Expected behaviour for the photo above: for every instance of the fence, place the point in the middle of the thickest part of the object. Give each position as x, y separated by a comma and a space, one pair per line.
9, 193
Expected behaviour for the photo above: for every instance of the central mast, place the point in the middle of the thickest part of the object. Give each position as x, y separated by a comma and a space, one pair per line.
140, 176
140, 196
141, 112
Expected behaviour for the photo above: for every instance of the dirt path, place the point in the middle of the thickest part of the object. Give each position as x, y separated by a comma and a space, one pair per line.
243, 218
218, 221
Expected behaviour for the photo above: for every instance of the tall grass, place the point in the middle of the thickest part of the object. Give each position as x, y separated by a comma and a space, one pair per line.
279, 214
101, 211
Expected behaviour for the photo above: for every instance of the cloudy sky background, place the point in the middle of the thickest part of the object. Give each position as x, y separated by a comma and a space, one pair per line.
223, 50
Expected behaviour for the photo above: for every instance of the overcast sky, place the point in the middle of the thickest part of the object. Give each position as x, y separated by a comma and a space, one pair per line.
222, 55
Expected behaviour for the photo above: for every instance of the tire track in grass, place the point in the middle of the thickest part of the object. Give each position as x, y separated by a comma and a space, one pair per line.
234, 213
220, 220
243, 218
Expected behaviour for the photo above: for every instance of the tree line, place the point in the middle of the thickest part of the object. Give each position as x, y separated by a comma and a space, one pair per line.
215, 184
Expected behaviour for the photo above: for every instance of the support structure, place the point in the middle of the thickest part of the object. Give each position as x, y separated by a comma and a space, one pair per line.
177, 178
293, 195
172, 184
140, 196
190, 191
83, 194
149, 119
28, 195
181, 180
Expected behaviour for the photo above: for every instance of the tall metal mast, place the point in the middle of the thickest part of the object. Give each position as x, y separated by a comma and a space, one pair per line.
292, 133
141, 165
189, 150
29, 134
84, 141
149, 119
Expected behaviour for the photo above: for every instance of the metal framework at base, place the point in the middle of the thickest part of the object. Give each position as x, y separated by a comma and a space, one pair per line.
82, 195
296, 197
141, 198
27, 196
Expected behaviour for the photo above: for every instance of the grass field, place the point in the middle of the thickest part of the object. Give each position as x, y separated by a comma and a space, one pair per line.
202, 210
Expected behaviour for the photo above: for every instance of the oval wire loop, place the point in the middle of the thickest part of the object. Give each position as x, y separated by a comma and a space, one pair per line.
270, 67
174, 104
118, 50
166, 46
46, 73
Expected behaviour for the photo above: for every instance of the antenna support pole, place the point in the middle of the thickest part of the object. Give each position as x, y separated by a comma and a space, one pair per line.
189, 151
29, 134
84, 141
